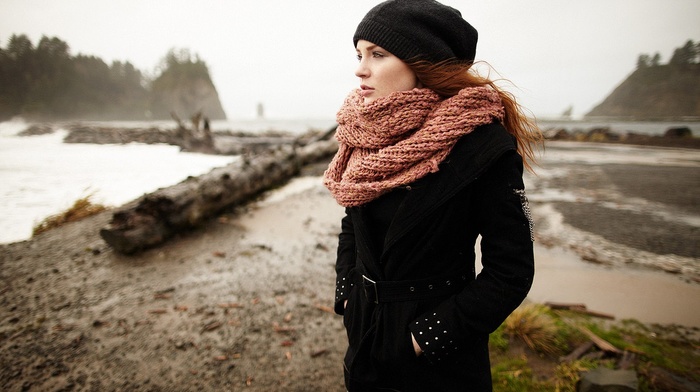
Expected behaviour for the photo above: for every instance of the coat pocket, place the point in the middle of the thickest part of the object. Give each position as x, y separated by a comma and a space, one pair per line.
349, 314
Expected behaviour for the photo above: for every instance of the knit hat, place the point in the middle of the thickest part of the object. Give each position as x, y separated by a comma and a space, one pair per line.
419, 29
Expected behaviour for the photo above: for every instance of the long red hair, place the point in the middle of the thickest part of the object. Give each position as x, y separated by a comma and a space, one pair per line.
447, 78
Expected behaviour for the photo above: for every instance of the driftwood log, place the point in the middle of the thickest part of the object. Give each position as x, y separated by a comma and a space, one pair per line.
578, 308
158, 216
600, 342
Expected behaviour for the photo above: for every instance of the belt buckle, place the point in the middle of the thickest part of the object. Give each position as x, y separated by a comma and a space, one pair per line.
369, 282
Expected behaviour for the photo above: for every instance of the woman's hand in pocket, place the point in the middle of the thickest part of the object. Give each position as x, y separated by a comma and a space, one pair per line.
416, 347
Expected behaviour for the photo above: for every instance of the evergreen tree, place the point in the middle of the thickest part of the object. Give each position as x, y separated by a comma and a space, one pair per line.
656, 60
643, 61
686, 54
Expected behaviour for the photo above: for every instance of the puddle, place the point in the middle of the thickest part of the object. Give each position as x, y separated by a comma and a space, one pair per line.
648, 296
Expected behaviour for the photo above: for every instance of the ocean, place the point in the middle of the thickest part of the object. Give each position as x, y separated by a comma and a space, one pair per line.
42, 176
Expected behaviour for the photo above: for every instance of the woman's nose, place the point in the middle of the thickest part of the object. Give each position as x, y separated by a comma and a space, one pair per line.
361, 71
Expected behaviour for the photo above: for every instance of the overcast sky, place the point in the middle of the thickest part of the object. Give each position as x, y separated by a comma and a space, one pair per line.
296, 56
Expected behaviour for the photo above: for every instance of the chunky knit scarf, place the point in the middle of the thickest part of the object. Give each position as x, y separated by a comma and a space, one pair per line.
397, 139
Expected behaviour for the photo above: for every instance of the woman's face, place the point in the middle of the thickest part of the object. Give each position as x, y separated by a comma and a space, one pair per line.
382, 73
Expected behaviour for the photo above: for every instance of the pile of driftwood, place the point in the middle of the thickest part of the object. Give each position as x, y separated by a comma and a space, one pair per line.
679, 137
158, 216
196, 138
91, 134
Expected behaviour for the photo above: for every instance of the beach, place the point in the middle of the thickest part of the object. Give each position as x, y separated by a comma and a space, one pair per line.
244, 301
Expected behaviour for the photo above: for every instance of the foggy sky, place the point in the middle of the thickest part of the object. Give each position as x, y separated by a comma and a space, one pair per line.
297, 58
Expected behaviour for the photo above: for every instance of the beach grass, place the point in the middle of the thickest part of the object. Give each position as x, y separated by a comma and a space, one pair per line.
529, 350
81, 208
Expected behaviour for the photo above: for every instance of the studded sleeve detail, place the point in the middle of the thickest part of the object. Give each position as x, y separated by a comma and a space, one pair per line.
434, 337
342, 291
526, 211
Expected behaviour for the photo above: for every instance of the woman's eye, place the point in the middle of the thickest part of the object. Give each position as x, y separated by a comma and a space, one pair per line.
374, 55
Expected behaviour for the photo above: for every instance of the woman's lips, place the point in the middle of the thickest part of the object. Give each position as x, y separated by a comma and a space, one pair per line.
366, 91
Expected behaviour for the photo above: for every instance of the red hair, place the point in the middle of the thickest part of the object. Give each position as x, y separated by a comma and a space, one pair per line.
447, 78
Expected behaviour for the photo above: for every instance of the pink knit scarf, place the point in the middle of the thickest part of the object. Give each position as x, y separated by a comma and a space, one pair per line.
397, 139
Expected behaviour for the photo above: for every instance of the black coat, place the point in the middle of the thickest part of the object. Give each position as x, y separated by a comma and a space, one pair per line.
428, 244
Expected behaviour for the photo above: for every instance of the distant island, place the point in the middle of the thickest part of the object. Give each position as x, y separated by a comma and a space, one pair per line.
46, 83
657, 91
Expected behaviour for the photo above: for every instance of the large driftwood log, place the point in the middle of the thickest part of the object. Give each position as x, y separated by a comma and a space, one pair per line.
156, 217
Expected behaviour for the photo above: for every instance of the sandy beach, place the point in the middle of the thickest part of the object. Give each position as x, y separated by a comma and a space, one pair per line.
243, 302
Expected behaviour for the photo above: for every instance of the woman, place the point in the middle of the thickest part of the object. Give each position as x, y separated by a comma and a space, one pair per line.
429, 158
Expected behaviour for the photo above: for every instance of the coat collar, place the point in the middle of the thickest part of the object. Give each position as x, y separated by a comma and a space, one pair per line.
471, 156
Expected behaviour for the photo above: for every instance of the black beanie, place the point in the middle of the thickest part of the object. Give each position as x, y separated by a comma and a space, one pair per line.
419, 29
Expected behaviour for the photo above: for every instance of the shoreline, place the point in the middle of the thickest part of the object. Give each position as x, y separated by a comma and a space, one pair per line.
620, 205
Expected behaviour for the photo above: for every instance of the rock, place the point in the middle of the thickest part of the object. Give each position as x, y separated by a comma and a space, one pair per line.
602, 134
37, 129
608, 380
557, 134
674, 132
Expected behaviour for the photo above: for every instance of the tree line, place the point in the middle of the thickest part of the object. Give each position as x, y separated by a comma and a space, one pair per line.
45, 82
684, 55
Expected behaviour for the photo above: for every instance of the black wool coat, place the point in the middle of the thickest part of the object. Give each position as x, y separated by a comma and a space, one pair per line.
429, 243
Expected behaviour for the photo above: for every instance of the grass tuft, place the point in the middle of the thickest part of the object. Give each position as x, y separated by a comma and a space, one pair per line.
82, 208
534, 326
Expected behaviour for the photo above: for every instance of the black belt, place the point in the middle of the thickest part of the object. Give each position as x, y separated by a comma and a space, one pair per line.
411, 290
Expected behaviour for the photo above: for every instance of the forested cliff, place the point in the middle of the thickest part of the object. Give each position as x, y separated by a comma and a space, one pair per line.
46, 82
657, 91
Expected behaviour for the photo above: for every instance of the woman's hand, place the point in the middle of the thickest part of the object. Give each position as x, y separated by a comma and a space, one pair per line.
416, 347
345, 304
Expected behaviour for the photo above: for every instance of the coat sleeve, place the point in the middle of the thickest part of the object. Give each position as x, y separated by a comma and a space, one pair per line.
504, 223
345, 263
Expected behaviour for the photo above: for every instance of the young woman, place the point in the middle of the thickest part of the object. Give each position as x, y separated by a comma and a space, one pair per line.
429, 159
